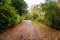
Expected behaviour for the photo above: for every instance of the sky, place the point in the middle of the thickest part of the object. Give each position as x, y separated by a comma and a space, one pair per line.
32, 2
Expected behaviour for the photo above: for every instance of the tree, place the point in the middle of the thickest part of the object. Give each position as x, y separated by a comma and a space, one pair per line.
52, 14
20, 6
8, 15
50, 0
5, 1
36, 10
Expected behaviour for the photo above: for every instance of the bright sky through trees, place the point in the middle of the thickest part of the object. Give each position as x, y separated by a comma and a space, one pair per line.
32, 2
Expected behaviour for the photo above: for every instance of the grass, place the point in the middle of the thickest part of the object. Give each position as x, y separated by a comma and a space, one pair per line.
50, 33
39, 25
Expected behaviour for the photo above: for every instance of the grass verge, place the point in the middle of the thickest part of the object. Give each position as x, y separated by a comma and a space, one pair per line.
39, 25
50, 34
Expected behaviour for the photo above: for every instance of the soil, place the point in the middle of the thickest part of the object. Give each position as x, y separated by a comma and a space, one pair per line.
28, 31
24, 31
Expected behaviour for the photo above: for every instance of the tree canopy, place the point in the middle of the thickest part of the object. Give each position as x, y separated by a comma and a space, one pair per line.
52, 14
20, 6
8, 15
5, 1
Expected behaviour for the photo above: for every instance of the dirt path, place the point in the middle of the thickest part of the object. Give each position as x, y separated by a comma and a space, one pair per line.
24, 31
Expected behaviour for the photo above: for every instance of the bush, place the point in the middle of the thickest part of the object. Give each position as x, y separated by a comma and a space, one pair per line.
8, 17
40, 20
28, 17
35, 15
52, 14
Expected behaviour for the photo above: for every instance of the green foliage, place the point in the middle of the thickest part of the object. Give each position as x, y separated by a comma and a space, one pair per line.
52, 14
20, 6
11, 12
8, 17
39, 25
5, 1
35, 15
39, 20
28, 17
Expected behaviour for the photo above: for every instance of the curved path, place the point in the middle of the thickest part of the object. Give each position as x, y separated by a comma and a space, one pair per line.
24, 31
